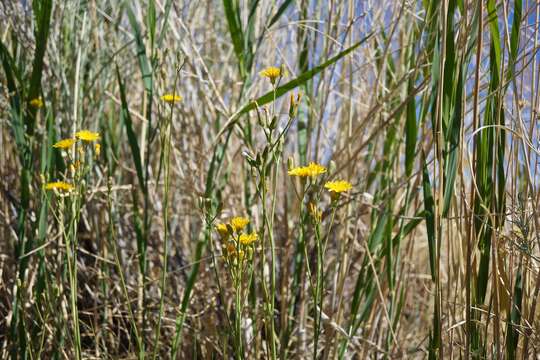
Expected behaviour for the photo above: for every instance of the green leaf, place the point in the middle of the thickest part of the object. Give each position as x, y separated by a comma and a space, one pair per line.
514, 37
232, 13
132, 138
151, 20
411, 132
42, 13
452, 145
144, 64
429, 214
165, 25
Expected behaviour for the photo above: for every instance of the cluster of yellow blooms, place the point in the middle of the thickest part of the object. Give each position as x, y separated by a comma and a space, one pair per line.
311, 170
234, 238
84, 136
232, 233
59, 185
171, 98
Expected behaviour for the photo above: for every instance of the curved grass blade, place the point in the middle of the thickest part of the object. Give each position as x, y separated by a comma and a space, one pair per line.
144, 63
283, 89
132, 138
232, 13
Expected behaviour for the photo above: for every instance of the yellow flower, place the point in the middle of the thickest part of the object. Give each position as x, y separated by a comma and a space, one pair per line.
59, 185
239, 223
271, 73
248, 239
298, 171
338, 186
312, 170
64, 144
87, 135
222, 230
171, 98
36, 103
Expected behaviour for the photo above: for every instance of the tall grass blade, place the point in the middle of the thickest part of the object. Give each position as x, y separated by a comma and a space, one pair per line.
132, 137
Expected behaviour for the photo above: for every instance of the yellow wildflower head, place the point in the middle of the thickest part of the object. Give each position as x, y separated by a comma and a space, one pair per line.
222, 230
337, 187
171, 98
314, 169
298, 171
248, 239
87, 135
36, 103
238, 223
64, 144
271, 73
59, 185
311, 170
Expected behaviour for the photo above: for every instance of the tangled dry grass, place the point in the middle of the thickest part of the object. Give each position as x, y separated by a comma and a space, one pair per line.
429, 109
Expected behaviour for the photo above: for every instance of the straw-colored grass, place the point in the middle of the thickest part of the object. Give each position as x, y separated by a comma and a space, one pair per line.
269, 179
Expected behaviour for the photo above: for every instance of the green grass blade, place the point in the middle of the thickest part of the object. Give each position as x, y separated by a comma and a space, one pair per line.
232, 14
411, 132
144, 63
42, 14
165, 25
429, 214
151, 21
452, 140
132, 137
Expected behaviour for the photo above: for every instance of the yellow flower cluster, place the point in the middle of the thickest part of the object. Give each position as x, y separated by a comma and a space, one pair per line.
236, 225
84, 135
232, 235
311, 170
59, 185
248, 239
171, 98
64, 144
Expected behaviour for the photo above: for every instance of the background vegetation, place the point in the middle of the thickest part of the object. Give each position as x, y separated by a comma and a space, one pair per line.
429, 108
